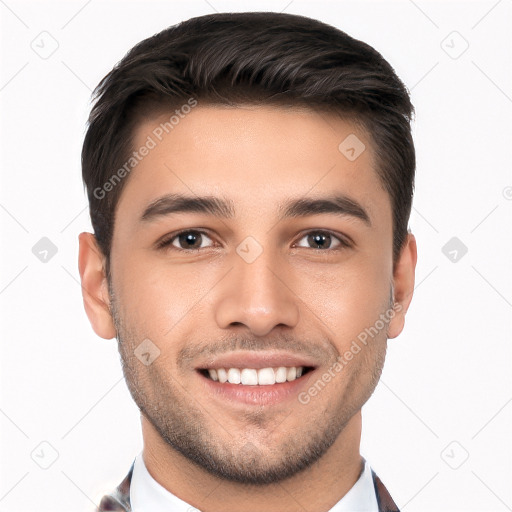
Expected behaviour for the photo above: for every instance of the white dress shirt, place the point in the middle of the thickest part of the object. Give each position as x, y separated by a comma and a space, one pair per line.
147, 495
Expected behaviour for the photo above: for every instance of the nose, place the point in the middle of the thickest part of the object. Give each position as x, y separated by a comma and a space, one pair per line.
257, 295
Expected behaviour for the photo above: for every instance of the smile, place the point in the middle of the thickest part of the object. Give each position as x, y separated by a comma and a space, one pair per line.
256, 377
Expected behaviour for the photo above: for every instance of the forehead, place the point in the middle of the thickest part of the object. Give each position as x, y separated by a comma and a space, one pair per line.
257, 156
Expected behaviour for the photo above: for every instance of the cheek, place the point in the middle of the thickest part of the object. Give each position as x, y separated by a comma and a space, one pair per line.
347, 298
157, 297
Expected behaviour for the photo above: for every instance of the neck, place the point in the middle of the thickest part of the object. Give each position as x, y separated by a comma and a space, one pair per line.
318, 488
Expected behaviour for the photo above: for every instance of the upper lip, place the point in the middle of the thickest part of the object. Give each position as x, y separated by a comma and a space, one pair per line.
256, 360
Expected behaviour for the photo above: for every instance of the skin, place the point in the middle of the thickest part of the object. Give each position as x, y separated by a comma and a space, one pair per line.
217, 455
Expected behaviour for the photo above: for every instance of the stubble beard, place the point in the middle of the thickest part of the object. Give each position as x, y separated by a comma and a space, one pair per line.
183, 423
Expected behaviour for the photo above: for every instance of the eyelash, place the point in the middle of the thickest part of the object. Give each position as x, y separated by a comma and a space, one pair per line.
166, 243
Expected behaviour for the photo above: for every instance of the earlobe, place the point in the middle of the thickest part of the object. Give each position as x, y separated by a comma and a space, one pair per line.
95, 286
403, 282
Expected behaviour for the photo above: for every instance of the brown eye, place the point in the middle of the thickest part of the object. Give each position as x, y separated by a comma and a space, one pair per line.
191, 240
323, 240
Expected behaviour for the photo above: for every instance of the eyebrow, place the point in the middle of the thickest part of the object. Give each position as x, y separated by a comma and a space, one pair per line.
178, 203
338, 204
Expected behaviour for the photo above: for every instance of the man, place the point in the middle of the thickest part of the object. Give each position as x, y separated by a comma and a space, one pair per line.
250, 179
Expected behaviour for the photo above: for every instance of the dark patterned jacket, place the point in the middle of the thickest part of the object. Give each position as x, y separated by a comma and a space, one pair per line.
119, 500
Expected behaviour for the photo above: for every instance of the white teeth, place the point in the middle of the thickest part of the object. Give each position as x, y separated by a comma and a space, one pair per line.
249, 377
291, 373
234, 376
253, 377
266, 377
281, 374
223, 375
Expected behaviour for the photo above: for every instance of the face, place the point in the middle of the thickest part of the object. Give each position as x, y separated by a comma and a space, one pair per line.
276, 276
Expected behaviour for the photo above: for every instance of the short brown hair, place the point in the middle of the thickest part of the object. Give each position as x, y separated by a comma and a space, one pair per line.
251, 57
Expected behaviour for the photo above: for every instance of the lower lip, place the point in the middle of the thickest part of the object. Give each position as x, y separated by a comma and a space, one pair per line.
257, 395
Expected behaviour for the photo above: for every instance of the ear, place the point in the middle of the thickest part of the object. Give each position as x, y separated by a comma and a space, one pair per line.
95, 286
403, 284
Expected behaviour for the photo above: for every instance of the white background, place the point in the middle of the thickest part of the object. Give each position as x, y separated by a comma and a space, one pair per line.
446, 390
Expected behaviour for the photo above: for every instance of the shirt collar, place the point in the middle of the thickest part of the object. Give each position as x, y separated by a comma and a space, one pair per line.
361, 497
146, 494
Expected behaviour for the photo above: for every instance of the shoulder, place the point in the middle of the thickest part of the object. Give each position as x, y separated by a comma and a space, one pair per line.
119, 499
384, 499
